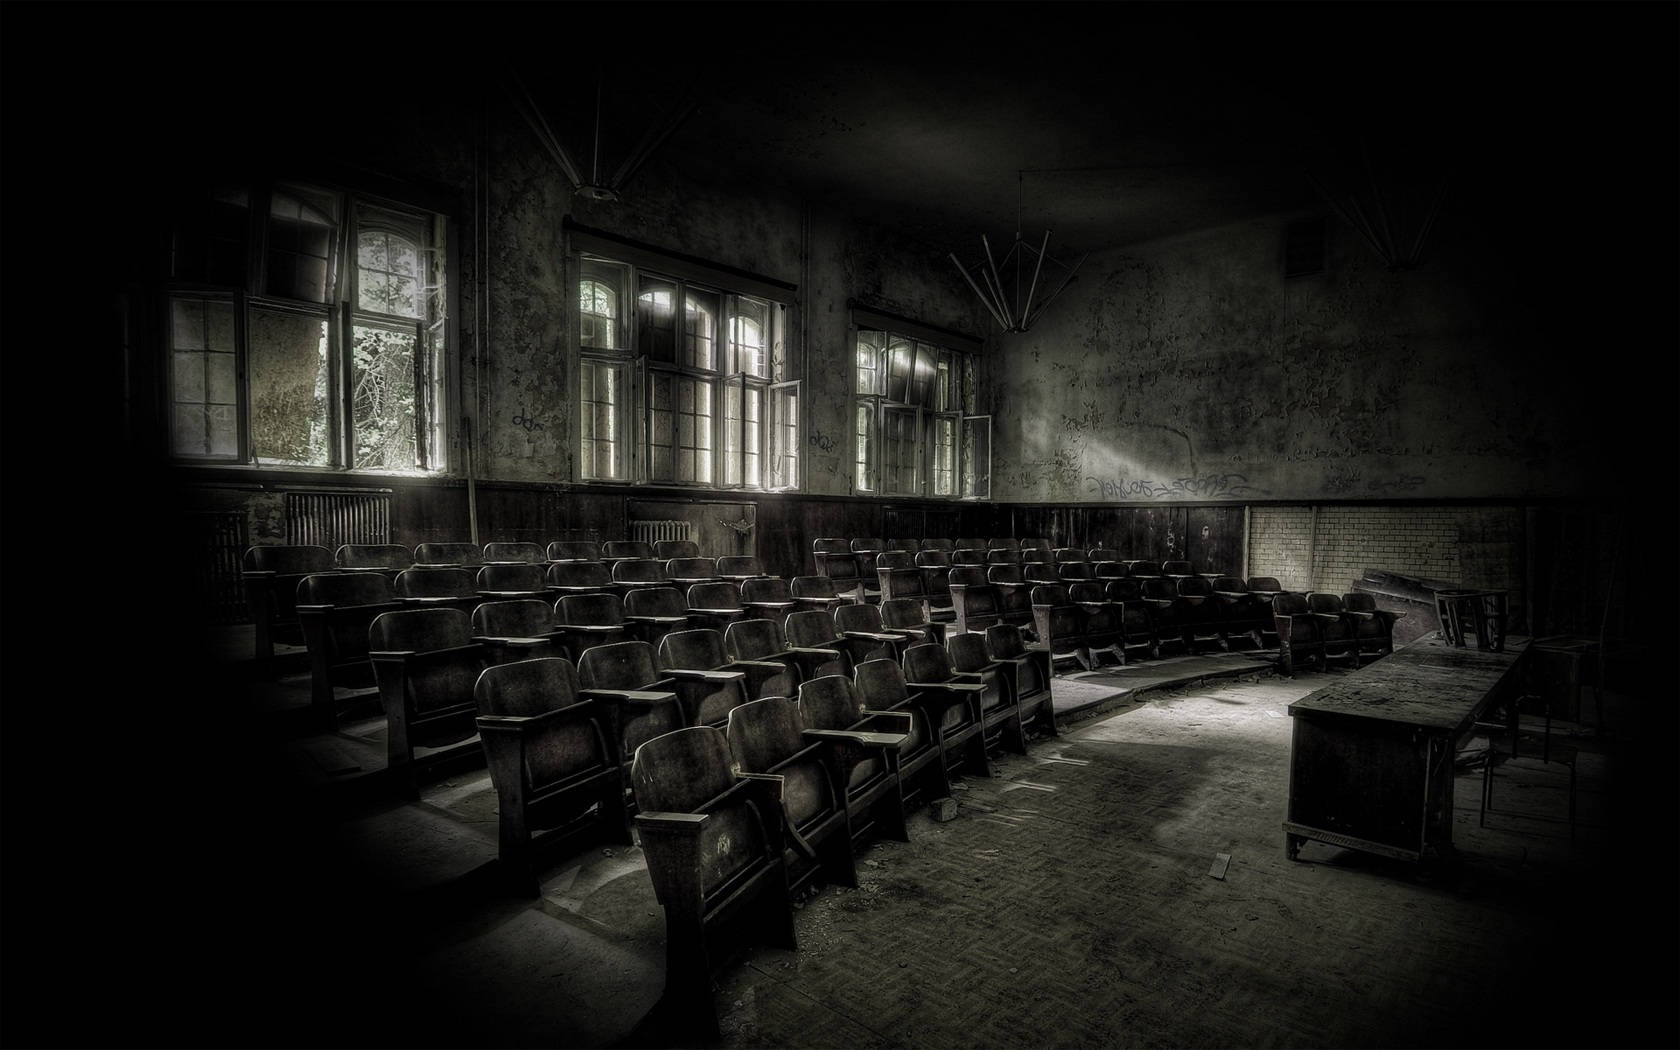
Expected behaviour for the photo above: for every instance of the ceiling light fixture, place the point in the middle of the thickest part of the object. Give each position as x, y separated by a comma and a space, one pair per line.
991, 281
595, 188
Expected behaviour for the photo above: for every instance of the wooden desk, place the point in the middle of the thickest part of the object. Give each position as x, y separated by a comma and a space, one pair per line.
1371, 764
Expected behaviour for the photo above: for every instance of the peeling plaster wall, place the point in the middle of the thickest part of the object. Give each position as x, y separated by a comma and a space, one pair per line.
1192, 370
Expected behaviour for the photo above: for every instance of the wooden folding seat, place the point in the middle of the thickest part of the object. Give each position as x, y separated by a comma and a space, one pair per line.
271, 574
1142, 568
715, 605
577, 577
573, 550
1036, 548
1003, 556
1204, 615
964, 576
626, 550
769, 597
968, 556
1072, 572
1103, 571
584, 621
821, 646
897, 576
1297, 631
1170, 611
686, 572
935, 567
713, 843
978, 606
860, 621
629, 574
929, 674
936, 543
670, 550
1041, 572
458, 554
766, 737
700, 653
866, 747
1266, 589
1014, 594
1244, 613
1000, 713
923, 775
910, 616
841, 568
1002, 543
553, 761
1028, 670
815, 592
1177, 569
1059, 624
911, 546
438, 587
517, 629
738, 568
1373, 627
521, 552
1098, 555
427, 664
386, 558
761, 640
1104, 633
335, 611
970, 543
1136, 616
654, 612
625, 677
499, 581
1337, 631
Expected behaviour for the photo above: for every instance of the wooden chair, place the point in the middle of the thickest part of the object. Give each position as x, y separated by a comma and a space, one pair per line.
1029, 669
935, 567
1142, 568
864, 746
1265, 589
699, 662
937, 543
1103, 630
670, 550
573, 550
844, 574
625, 678
517, 552
712, 841
1297, 631
686, 572
438, 587
578, 577
1015, 595
1137, 616
553, 762
923, 775
626, 550
1373, 627
501, 580
766, 737
630, 574
738, 568
1245, 614
427, 664
824, 649
1337, 635
271, 574
969, 556
1000, 712
517, 629
1204, 619
862, 621
1177, 569
760, 639
909, 616
1059, 624
978, 606
587, 620
335, 611
715, 605
769, 597
654, 612
385, 558
928, 673
815, 592
1170, 611
459, 555
912, 546
1101, 555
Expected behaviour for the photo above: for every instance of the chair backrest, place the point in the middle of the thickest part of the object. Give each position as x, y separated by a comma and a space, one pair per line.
1231, 584
764, 732
695, 568
1194, 586
1076, 570
1063, 555
1096, 554
811, 628
938, 543
516, 551
618, 665
1040, 572
902, 545
1264, 583
680, 771
768, 589
1157, 587
880, 684
1002, 574
1359, 601
1176, 568
895, 560
1325, 602
1087, 591
578, 574
616, 550
513, 576
812, 587
574, 550
643, 571
721, 595
373, 556
419, 630
1143, 568
981, 601
601, 608
1108, 570
967, 576
1125, 589
754, 639
903, 612
1037, 543
514, 618
866, 545
526, 688
1005, 642
739, 565
346, 588
1002, 543
468, 554
699, 649
831, 545
1051, 594
933, 559
436, 581
829, 702
667, 550
288, 558
1290, 603
927, 663
968, 556
858, 616
968, 651
655, 601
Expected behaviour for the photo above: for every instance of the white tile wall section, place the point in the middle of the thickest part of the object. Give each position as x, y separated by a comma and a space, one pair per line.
1327, 548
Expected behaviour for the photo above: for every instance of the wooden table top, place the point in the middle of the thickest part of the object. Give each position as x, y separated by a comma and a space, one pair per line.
1428, 684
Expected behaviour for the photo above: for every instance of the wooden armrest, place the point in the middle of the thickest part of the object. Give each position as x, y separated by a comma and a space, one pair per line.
875, 636
877, 720
514, 641
662, 821
760, 665
631, 696
952, 685
705, 675
655, 619
864, 737
580, 710
812, 650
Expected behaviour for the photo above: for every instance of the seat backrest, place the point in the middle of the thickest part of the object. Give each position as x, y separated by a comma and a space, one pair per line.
739, 565
810, 628
469, 554
373, 556
1156, 587
902, 545
927, 663
517, 551
691, 568
1096, 554
640, 570
829, 702
1359, 601
937, 543
1325, 602
967, 576
1076, 570
288, 558
1290, 603
514, 618
981, 600
844, 567
346, 588
767, 589
724, 595
699, 649
1087, 591
968, 651
1040, 572
436, 581
1264, 583
680, 771
1143, 568
1124, 589
866, 545
880, 684
601, 608
1230, 584
655, 601
419, 630
754, 639
1108, 570
574, 550
526, 688
667, 550
578, 574
1063, 555
1004, 641
615, 550
1176, 568
1001, 574
811, 587
1195, 586
903, 612
764, 732
858, 616
618, 665
513, 576
933, 559
895, 560
1002, 543
1051, 594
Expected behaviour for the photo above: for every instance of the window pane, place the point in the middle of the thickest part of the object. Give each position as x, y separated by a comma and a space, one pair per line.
754, 437
210, 242
784, 436
944, 464
694, 431
382, 394
301, 226
700, 329
921, 381
732, 424
600, 391
600, 315
202, 379
387, 274
290, 387
661, 428
901, 360
898, 450
977, 457
945, 387
865, 435
656, 319
780, 367
870, 346
749, 329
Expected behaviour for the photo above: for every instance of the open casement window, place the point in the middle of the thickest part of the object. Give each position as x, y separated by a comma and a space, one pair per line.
975, 455
682, 381
325, 350
908, 433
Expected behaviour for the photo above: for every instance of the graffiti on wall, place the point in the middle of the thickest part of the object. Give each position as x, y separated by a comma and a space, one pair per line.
1211, 486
